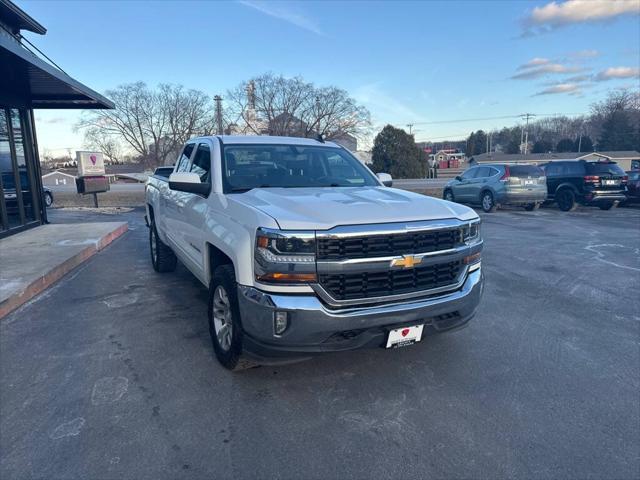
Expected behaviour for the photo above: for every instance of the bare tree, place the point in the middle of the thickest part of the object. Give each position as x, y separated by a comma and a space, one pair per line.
153, 123
97, 139
275, 105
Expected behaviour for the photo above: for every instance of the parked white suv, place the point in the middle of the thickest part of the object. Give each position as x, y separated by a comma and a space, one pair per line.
305, 251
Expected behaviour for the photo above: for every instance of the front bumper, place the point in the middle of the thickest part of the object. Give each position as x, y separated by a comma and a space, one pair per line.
314, 328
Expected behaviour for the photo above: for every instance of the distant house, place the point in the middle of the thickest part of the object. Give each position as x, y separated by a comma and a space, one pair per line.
347, 140
58, 178
626, 159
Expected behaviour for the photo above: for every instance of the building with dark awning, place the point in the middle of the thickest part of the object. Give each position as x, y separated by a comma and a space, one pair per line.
28, 80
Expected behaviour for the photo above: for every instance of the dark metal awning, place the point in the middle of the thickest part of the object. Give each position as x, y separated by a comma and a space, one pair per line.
27, 81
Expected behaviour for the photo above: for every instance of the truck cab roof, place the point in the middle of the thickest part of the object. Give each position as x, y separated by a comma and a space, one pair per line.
269, 140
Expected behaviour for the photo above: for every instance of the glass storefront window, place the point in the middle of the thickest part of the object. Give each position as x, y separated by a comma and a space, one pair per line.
17, 205
25, 183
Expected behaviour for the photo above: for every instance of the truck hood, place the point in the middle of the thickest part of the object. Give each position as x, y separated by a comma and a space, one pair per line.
325, 208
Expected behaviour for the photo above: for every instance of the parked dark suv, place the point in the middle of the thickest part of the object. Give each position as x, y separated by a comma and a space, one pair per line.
573, 182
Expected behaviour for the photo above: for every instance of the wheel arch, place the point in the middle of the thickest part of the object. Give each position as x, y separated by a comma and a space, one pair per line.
214, 258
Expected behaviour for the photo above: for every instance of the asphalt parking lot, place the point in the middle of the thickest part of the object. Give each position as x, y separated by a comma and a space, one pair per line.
110, 374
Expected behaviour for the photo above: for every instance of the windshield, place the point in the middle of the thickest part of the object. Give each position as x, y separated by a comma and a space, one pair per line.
262, 166
606, 168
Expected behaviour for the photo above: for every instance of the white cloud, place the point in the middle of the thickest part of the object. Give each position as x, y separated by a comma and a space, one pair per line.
282, 11
617, 72
534, 62
558, 14
567, 88
548, 69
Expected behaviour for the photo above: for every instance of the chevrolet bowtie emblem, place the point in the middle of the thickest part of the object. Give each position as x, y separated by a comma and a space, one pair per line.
407, 261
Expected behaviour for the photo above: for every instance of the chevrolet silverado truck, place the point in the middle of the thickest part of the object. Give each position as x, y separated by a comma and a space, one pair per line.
304, 250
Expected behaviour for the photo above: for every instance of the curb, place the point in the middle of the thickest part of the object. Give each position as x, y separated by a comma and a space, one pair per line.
52, 276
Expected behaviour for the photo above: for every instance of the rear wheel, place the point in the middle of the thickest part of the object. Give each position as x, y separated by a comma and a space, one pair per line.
566, 200
48, 199
488, 204
606, 206
162, 257
225, 326
532, 206
448, 195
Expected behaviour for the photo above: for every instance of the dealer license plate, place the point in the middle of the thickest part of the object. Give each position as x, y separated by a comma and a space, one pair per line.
401, 337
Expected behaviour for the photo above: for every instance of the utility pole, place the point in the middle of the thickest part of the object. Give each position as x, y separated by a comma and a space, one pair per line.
410, 125
526, 116
218, 100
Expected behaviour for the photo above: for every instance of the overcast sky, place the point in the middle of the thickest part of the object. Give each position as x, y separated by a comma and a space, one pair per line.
408, 62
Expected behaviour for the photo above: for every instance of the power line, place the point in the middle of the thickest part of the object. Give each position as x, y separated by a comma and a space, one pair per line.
478, 119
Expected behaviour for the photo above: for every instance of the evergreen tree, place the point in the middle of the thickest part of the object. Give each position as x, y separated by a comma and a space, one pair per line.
566, 145
542, 146
395, 152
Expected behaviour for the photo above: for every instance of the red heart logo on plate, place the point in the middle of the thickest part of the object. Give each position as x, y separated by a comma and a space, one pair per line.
93, 159
405, 332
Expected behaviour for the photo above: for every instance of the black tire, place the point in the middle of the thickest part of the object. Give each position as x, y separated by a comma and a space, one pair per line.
48, 199
606, 206
448, 195
566, 200
487, 202
229, 356
531, 207
162, 257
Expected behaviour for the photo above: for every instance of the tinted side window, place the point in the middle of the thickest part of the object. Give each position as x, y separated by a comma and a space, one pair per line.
553, 169
202, 162
494, 171
469, 173
183, 161
482, 172
574, 168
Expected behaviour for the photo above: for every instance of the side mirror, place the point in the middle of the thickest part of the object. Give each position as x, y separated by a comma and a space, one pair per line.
459, 178
188, 182
385, 178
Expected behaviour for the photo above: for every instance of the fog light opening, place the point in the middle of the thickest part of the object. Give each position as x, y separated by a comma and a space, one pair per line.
473, 261
280, 322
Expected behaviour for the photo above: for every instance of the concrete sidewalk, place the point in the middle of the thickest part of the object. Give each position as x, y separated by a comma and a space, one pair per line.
33, 260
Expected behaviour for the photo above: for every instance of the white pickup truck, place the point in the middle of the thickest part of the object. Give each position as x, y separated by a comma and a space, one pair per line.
305, 251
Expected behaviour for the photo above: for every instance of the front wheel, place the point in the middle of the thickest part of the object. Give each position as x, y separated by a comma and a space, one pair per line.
448, 195
48, 199
488, 204
225, 326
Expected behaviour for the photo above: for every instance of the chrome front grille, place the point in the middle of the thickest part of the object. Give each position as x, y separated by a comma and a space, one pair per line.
381, 263
336, 248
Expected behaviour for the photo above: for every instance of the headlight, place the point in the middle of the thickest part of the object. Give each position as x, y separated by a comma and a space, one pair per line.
471, 232
285, 256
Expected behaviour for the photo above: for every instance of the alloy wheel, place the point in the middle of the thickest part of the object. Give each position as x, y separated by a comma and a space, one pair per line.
487, 201
222, 318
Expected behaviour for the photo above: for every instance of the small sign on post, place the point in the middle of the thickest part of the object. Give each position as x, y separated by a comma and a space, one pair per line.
91, 174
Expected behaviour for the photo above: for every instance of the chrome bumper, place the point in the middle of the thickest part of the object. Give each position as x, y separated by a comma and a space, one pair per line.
314, 328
